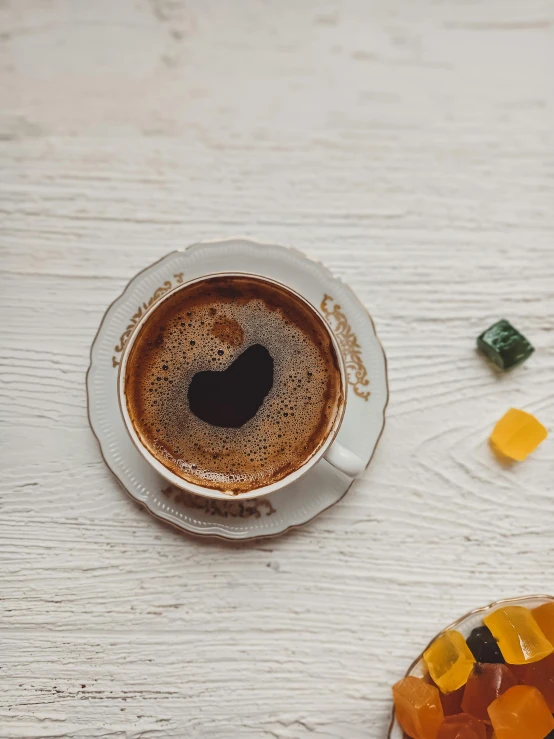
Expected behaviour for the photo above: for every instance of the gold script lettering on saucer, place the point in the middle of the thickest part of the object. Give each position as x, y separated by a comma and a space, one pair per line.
350, 347
141, 310
251, 508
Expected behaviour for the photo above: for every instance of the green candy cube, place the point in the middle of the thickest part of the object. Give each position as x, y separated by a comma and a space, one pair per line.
504, 345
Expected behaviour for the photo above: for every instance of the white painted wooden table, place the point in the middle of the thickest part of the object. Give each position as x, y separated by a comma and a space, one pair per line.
408, 145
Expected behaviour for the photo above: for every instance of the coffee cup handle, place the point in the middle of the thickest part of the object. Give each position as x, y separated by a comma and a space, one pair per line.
344, 460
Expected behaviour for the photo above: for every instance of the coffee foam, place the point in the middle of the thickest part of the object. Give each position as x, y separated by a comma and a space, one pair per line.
206, 327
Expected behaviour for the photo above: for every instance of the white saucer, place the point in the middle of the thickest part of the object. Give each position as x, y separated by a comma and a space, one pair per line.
323, 485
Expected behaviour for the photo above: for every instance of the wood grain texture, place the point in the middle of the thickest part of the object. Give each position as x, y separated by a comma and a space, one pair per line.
408, 145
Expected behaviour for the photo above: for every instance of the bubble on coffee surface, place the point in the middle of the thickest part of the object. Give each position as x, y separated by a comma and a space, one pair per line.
206, 328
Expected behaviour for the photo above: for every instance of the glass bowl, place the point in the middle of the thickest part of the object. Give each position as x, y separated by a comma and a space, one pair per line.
464, 625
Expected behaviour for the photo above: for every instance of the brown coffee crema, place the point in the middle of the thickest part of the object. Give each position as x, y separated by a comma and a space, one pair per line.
204, 347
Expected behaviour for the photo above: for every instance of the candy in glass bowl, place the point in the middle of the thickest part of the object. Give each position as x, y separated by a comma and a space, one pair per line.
489, 674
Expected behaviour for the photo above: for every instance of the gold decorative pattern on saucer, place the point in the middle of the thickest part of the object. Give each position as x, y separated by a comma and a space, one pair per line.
348, 342
252, 508
141, 310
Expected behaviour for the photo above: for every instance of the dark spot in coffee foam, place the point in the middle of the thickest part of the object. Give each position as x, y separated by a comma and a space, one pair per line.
231, 397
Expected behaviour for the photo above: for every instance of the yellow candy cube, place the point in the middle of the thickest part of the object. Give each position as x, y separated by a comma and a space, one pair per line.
544, 616
518, 635
449, 661
517, 434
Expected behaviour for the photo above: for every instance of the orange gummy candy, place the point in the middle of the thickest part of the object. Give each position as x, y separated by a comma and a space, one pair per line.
449, 661
418, 707
518, 635
462, 726
517, 434
544, 616
484, 685
521, 713
540, 675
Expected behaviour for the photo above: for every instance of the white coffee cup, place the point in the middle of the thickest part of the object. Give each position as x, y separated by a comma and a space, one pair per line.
334, 452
